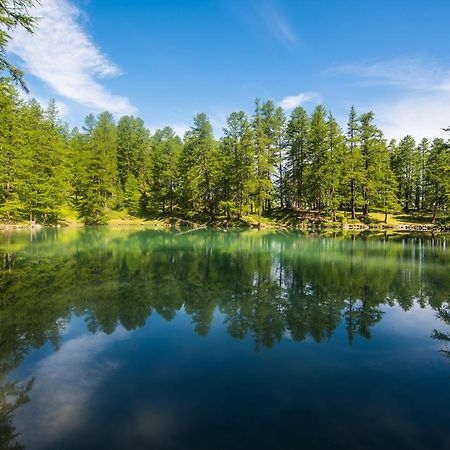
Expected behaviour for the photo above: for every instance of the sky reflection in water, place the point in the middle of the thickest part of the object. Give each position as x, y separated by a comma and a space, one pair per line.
132, 338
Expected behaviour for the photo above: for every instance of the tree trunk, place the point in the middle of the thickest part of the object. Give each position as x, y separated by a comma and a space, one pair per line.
352, 200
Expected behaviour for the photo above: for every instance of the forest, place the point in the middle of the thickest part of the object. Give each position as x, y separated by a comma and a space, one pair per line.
303, 162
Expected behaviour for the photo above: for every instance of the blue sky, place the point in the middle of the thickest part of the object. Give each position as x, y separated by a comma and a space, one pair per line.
166, 60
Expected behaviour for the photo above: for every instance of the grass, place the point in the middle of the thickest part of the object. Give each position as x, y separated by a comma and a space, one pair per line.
400, 219
278, 218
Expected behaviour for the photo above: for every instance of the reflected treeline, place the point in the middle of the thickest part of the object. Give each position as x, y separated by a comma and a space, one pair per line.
443, 314
12, 396
266, 285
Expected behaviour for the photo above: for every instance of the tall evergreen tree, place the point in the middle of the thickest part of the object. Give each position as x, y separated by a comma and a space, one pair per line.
335, 165
319, 179
163, 170
298, 161
407, 170
438, 177
99, 180
424, 152
237, 163
354, 170
200, 159
262, 187
371, 144
133, 143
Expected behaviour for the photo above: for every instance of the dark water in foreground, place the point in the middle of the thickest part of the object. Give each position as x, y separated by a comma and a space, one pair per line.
140, 339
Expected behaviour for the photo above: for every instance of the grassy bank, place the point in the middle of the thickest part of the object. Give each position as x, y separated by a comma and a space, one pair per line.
278, 218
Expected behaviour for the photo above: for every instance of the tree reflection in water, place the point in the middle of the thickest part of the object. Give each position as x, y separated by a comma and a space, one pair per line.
267, 285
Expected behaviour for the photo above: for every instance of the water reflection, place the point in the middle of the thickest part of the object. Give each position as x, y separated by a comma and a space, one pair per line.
264, 285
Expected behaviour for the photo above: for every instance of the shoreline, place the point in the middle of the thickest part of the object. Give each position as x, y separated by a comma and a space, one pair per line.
221, 224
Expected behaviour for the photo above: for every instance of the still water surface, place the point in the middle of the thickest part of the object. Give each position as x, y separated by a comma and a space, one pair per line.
147, 339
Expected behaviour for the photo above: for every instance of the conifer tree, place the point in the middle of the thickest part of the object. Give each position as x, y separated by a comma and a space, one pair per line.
201, 165
99, 181
354, 171
334, 168
261, 186
438, 178
133, 143
424, 151
407, 170
163, 170
319, 179
298, 162
237, 161
371, 144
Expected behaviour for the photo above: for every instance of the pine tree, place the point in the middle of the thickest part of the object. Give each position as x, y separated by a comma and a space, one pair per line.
273, 123
14, 14
163, 170
236, 160
335, 165
99, 177
384, 183
424, 151
407, 171
438, 177
354, 173
370, 142
201, 164
11, 206
297, 132
133, 143
261, 185
319, 179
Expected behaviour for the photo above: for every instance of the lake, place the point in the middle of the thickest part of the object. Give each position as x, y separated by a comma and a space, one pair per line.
132, 338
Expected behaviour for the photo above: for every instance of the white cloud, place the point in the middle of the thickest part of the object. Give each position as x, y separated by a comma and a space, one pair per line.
417, 115
64, 382
62, 55
418, 102
180, 128
292, 101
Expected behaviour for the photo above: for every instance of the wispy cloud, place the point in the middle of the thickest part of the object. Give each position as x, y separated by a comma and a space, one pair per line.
62, 55
405, 73
276, 22
418, 101
292, 101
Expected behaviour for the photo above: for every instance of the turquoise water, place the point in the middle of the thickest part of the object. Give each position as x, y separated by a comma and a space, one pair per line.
117, 338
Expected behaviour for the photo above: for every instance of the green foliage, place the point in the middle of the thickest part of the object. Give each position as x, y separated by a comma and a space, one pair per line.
162, 171
200, 163
14, 14
237, 164
297, 136
98, 169
33, 175
438, 177
305, 163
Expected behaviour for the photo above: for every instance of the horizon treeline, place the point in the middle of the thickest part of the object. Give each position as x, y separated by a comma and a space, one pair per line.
303, 161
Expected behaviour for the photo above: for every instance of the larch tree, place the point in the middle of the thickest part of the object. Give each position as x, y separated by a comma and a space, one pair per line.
201, 163
354, 170
298, 161
319, 179
237, 161
99, 181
